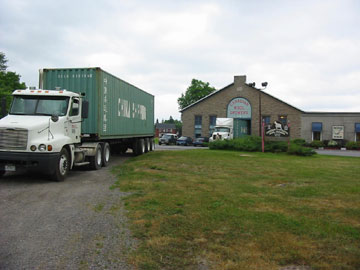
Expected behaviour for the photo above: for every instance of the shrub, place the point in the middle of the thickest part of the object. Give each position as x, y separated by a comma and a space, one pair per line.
275, 147
248, 143
219, 145
332, 143
299, 150
299, 142
352, 145
316, 144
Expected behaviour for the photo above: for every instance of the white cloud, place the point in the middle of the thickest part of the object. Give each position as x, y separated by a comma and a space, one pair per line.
308, 51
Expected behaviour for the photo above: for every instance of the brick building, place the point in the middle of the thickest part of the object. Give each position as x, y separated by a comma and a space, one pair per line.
161, 129
247, 105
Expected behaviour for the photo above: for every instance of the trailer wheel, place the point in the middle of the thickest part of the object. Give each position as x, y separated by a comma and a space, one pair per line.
139, 147
62, 168
151, 144
142, 143
106, 154
96, 161
146, 142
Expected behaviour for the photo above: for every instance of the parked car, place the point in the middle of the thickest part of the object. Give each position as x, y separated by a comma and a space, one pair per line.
168, 138
184, 141
200, 141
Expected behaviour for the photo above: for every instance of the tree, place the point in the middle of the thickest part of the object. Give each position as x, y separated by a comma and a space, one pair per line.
3, 62
197, 90
178, 124
9, 81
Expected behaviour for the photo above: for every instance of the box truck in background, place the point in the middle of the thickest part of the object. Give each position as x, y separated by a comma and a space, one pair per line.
224, 129
52, 130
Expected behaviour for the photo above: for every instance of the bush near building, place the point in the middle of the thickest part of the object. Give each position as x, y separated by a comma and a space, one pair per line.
353, 145
253, 144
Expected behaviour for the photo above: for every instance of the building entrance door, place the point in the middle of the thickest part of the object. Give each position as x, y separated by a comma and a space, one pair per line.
241, 127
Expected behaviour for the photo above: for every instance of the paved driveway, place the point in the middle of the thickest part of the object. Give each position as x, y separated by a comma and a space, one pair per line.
344, 153
76, 224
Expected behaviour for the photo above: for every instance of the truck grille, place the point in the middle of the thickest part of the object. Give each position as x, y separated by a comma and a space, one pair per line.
13, 138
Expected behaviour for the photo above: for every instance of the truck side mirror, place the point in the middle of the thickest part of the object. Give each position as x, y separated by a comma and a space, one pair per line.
85, 109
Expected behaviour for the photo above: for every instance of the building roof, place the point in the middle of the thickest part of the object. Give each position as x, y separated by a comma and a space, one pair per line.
166, 126
216, 92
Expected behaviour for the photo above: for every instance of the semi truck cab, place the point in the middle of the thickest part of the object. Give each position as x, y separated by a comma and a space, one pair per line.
41, 131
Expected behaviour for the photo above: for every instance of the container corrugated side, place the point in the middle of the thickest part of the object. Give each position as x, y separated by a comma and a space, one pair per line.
124, 108
117, 109
78, 80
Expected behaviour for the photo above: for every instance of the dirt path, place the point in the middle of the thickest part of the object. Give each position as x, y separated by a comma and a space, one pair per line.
76, 224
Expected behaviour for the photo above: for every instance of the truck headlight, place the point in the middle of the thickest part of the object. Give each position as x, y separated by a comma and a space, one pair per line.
33, 148
42, 147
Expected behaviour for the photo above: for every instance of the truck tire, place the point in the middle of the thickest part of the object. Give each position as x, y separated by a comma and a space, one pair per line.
151, 144
96, 161
139, 147
106, 154
142, 143
62, 166
146, 142
2, 172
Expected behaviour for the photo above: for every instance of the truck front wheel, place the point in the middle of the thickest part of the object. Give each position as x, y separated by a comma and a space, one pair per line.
96, 161
62, 167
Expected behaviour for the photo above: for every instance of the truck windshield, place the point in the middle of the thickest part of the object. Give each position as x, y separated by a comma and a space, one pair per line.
39, 105
222, 129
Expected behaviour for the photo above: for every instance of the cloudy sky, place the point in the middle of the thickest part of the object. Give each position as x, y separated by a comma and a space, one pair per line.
308, 51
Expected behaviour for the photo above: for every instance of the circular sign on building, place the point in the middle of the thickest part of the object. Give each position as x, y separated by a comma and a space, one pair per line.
239, 108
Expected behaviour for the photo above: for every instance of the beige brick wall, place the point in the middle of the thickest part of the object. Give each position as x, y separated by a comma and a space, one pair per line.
217, 105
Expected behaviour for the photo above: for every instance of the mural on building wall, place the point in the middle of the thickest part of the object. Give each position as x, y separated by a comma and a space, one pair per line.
277, 130
338, 132
239, 108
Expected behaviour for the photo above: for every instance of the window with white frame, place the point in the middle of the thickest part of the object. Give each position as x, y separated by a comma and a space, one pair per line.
357, 132
316, 131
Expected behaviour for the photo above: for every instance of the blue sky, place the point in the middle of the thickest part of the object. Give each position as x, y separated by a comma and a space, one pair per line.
308, 51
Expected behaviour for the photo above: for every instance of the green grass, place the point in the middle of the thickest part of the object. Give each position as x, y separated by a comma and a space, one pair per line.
233, 210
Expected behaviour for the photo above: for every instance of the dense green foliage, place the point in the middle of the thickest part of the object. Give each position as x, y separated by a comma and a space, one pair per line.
253, 144
295, 149
9, 81
197, 90
316, 144
353, 145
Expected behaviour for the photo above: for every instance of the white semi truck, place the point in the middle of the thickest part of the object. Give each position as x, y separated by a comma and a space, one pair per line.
52, 131
224, 129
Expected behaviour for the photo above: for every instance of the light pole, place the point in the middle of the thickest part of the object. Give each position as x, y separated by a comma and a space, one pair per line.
264, 85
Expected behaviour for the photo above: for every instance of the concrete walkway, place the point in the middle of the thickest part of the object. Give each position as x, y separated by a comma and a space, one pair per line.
344, 153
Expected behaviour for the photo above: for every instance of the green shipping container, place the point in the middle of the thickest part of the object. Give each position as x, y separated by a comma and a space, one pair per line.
117, 109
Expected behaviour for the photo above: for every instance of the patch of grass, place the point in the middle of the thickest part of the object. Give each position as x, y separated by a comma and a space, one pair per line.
230, 210
99, 207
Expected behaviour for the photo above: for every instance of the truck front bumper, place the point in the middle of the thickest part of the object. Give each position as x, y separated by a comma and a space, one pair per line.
42, 162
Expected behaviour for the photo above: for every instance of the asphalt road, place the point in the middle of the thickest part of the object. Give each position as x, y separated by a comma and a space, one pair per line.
76, 224
344, 153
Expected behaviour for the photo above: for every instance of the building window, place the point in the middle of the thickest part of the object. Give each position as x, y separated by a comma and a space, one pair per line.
283, 120
266, 120
212, 124
316, 129
198, 125
357, 132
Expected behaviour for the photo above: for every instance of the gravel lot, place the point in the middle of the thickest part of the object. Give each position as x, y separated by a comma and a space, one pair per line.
76, 224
